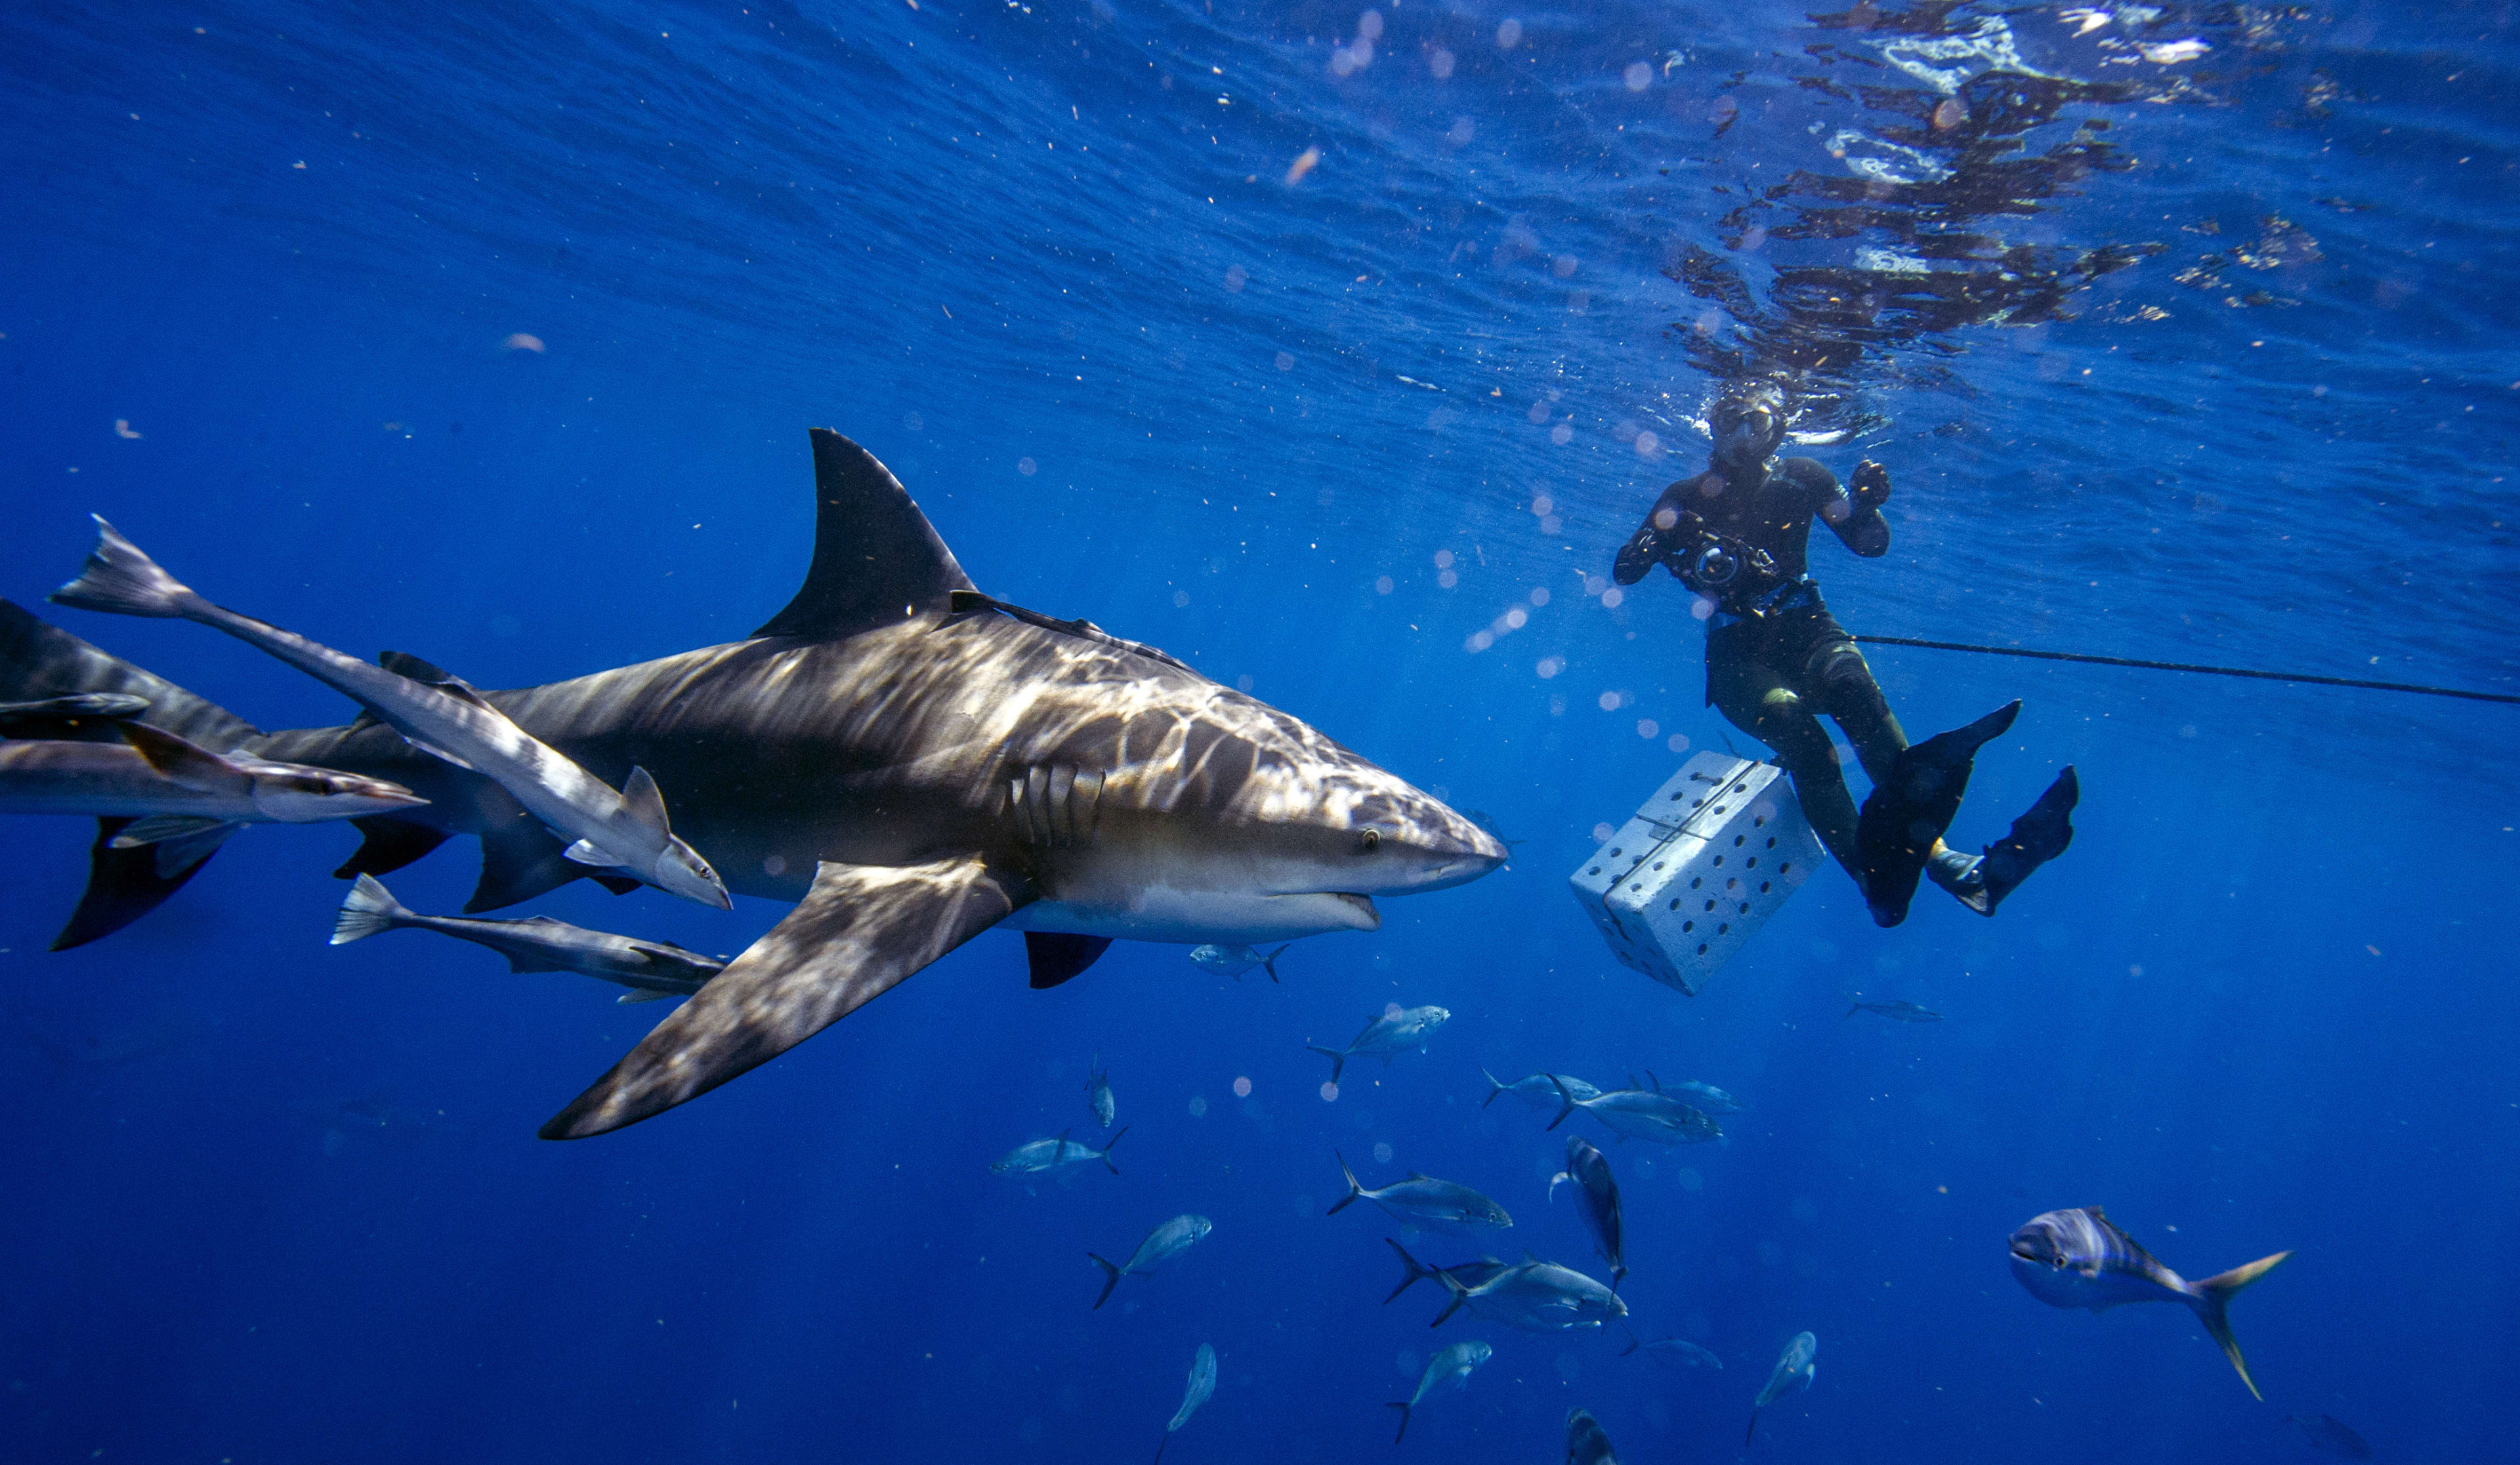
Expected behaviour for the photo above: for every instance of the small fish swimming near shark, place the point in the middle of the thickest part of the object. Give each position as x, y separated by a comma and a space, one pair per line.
1896, 1011
1097, 1092
1425, 1200
1451, 1368
1161, 1245
1795, 1368
1042, 1156
652, 969
2333, 1436
1202, 1384
625, 832
1642, 1114
1675, 1352
2080, 1258
1706, 1097
1539, 1090
1233, 960
1586, 1442
1534, 1296
1589, 1171
1468, 1273
69, 716
1397, 1031
183, 799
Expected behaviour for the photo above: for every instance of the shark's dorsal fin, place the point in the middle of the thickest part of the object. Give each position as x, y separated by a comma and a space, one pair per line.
875, 556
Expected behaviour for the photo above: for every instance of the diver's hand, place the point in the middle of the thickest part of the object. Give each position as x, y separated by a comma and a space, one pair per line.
1871, 486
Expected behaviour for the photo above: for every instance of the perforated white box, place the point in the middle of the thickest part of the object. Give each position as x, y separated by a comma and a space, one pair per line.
1703, 865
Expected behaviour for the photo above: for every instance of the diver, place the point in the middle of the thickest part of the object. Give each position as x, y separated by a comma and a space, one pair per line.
1775, 659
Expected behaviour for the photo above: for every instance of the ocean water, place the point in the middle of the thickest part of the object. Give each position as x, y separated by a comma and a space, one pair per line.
1260, 332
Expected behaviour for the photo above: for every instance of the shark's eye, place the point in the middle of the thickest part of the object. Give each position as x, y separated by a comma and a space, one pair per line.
1371, 841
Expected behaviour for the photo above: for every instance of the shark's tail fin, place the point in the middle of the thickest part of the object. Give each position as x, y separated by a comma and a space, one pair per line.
2212, 1297
1268, 963
1567, 1100
1105, 1150
1338, 1059
1404, 1422
1355, 1193
1415, 1273
119, 579
369, 909
1110, 1279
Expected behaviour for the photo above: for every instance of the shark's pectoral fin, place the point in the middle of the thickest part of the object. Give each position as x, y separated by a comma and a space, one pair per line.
617, 884
860, 930
1056, 956
122, 885
520, 861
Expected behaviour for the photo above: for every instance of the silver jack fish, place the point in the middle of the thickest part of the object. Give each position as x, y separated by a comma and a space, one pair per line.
1425, 1200
1041, 1155
437, 713
1450, 1368
1586, 1442
1535, 1296
1795, 1368
2079, 1259
652, 969
1706, 1097
1233, 960
1640, 1113
1589, 1171
1539, 1090
1202, 1384
1896, 1011
1675, 1352
1097, 1092
1161, 1245
1468, 1273
1386, 1037
182, 799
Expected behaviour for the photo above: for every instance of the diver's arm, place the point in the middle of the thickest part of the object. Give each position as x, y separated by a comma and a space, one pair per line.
1855, 519
1645, 548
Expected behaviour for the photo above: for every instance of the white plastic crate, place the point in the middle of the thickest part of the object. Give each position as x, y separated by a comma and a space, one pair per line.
1703, 865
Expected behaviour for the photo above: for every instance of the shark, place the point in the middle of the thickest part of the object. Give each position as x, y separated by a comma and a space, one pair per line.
909, 762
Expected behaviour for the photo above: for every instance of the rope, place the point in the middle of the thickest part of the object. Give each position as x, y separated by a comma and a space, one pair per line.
2183, 666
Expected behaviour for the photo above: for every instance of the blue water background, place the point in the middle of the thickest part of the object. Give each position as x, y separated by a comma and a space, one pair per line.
270, 1201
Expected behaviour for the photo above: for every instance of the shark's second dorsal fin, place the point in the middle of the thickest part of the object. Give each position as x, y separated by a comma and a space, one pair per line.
875, 556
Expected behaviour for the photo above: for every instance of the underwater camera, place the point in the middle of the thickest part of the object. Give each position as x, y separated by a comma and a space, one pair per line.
1723, 568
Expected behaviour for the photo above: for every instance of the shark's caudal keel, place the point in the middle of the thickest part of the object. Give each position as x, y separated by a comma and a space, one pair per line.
912, 763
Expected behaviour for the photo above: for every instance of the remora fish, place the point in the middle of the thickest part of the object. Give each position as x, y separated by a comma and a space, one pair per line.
1795, 1368
1539, 1090
2326, 1432
1424, 1201
1161, 1245
1588, 1170
1233, 960
437, 713
1707, 1097
652, 969
1395, 1032
1896, 1011
1535, 1296
1586, 1442
1640, 1113
1097, 1092
1453, 1366
913, 761
1040, 1156
183, 799
1678, 1352
1468, 1273
2080, 1258
81, 713
1202, 1384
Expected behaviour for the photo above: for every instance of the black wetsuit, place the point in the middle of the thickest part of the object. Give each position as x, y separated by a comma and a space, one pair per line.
1774, 656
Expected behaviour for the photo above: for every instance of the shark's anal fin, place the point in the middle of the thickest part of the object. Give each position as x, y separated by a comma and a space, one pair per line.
859, 931
876, 560
1056, 956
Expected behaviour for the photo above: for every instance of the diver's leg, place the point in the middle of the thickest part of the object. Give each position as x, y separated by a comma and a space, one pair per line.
1755, 699
1847, 691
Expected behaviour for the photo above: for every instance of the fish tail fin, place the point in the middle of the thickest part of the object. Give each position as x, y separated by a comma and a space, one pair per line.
1404, 1422
1493, 1088
1159, 1446
368, 908
1355, 1191
1268, 963
1852, 1009
1618, 1274
1754, 1426
1567, 1099
119, 579
1460, 1295
1106, 1150
2212, 1297
1634, 1341
1338, 1059
1110, 1279
1415, 1273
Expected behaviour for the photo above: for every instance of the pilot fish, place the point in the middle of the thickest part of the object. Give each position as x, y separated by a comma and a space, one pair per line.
1425, 1200
1395, 1032
1795, 1368
1452, 1367
2080, 1258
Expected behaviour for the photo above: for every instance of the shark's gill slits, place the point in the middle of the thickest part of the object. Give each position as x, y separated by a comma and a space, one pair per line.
1054, 807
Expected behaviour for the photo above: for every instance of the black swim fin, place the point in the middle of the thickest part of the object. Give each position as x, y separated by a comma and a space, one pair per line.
1907, 811
2037, 837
